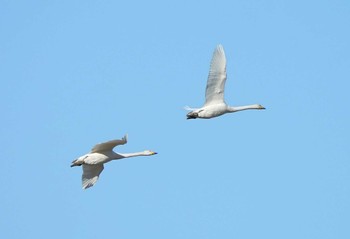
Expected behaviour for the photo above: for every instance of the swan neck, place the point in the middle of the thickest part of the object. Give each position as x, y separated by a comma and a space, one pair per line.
129, 155
240, 108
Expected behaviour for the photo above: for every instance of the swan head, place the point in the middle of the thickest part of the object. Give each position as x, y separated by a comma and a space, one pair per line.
260, 107
149, 152
192, 115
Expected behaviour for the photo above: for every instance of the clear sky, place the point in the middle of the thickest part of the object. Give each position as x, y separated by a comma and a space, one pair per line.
75, 73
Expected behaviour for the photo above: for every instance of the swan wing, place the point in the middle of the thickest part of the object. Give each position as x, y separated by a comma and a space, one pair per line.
109, 145
217, 77
91, 174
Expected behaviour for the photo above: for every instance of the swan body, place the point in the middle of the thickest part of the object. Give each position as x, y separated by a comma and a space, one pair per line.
100, 154
215, 105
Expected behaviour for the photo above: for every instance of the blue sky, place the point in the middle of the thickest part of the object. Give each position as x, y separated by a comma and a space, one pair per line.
75, 73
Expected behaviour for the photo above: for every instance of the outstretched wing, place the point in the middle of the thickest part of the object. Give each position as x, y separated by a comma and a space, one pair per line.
91, 174
217, 77
109, 145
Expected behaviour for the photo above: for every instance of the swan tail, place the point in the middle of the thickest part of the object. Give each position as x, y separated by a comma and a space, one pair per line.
79, 161
75, 163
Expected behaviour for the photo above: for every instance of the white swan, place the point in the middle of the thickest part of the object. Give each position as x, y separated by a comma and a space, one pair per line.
214, 95
102, 153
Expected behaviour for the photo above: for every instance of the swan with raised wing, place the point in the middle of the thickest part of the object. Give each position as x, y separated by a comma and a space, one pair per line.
214, 95
100, 154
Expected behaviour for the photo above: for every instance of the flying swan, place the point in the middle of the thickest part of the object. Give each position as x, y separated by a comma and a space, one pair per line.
214, 95
100, 154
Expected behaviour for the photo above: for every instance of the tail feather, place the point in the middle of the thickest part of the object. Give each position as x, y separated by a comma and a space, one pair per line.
75, 163
79, 161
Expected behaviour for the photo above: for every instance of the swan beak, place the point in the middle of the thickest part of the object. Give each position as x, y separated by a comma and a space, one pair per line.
153, 153
262, 107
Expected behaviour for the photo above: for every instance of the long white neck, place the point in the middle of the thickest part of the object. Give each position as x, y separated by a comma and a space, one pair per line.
129, 155
245, 107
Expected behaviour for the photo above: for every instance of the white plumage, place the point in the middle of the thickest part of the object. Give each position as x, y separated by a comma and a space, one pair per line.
214, 94
100, 154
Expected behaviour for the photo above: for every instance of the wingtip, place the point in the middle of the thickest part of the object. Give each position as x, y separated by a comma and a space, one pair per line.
220, 47
219, 51
87, 186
